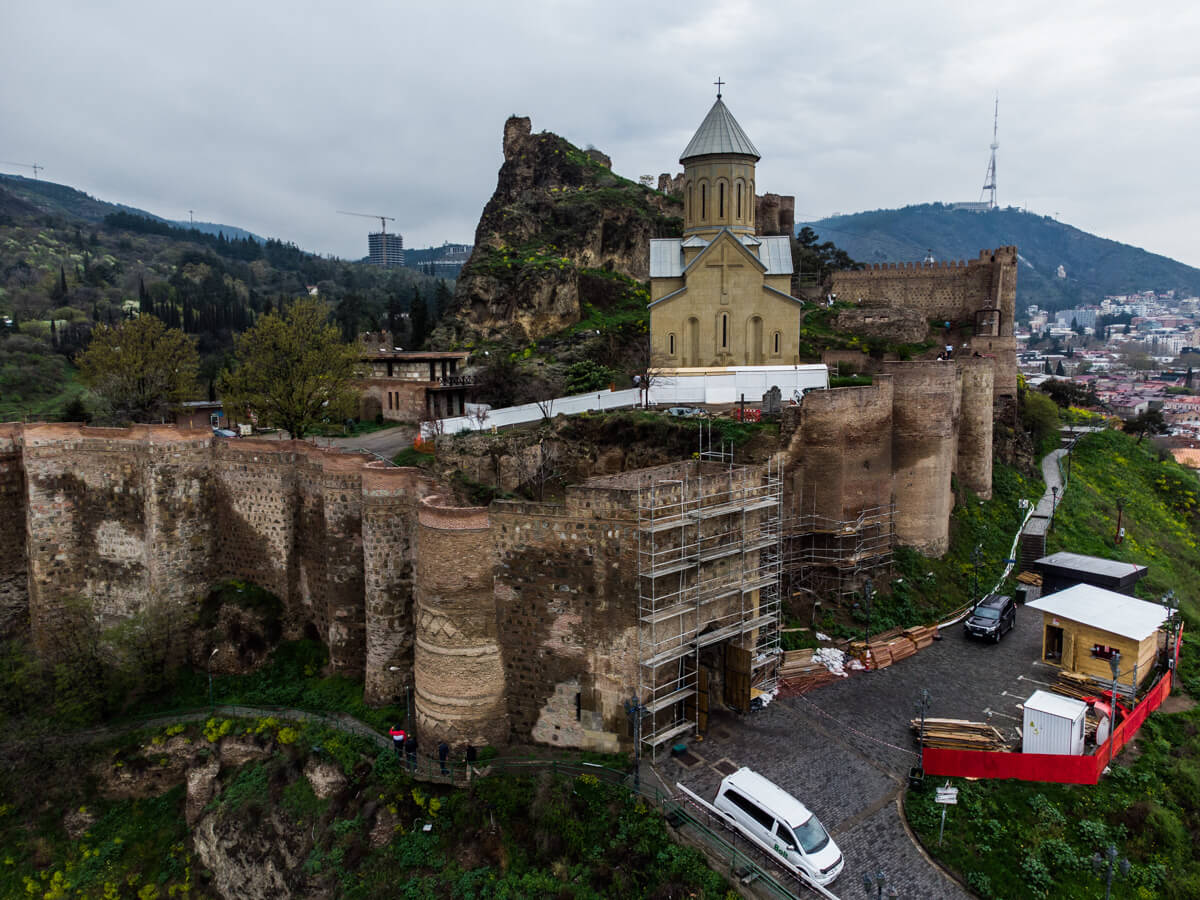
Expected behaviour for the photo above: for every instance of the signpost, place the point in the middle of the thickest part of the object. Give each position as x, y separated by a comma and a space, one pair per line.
947, 796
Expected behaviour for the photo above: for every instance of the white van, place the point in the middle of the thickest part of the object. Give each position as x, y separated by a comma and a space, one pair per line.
780, 824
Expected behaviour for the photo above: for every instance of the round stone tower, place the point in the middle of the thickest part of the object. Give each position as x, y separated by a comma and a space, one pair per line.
458, 670
925, 411
975, 424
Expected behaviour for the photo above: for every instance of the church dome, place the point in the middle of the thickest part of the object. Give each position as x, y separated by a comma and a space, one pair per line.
719, 135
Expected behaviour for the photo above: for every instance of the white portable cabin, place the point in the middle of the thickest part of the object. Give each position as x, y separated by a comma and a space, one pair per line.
1053, 724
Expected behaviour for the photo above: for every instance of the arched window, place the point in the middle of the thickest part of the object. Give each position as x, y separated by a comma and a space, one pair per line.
703, 200
721, 200
691, 201
739, 202
777, 343
671, 344
724, 331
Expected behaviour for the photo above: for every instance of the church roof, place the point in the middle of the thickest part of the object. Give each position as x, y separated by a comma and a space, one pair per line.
719, 133
666, 254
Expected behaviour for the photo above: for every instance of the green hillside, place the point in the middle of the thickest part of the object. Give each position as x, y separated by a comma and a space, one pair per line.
1015, 840
68, 261
1094, 266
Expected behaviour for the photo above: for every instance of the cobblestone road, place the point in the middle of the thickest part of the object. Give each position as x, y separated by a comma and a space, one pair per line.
845, 749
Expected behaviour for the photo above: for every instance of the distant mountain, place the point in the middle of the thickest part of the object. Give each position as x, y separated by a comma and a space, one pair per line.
59, 199
1093, 266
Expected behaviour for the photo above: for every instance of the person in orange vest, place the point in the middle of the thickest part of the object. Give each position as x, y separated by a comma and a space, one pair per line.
398, 738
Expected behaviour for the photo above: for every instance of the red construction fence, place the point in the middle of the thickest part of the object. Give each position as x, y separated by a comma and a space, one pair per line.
1047, 766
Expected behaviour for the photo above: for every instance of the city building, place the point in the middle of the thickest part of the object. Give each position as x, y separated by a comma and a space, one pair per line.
386, 250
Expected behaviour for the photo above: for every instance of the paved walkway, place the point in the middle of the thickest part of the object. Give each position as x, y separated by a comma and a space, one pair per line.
845, 749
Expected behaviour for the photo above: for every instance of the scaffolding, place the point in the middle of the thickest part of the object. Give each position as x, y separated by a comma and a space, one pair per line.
826, 561
710, 558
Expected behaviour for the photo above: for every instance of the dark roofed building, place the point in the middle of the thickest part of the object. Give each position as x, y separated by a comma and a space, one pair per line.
1062, 570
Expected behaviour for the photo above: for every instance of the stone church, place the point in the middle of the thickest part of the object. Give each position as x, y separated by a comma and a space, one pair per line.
719, 295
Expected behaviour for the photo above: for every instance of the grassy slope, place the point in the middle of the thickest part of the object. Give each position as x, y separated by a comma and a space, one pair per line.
1017, 840
533, 835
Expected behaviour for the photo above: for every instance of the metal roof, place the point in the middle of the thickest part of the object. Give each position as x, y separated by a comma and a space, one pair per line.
666, 258
719, 133
775, 253
1093, 564
695, 241
1056, 705
1106, 610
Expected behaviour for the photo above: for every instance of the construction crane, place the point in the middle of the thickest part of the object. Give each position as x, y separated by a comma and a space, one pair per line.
383, 220
36, 168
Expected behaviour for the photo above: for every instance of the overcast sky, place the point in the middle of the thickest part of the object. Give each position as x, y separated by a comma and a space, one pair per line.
273, 115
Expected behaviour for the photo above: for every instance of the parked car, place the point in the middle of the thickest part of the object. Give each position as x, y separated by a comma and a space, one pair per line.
780, 824
685, 411
992, 618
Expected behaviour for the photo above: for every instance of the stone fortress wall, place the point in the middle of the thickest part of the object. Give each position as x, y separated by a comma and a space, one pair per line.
977, 297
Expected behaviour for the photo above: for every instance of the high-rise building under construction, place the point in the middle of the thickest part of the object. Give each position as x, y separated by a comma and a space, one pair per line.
384, 249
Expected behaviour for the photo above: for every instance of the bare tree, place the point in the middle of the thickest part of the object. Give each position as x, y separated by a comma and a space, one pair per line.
538, 466
646, 365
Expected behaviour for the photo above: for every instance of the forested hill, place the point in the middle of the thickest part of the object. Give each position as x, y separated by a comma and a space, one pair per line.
1093, 266
70, 262
62, 200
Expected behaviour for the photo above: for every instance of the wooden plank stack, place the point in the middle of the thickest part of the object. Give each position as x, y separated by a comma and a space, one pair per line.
921, 635
901, 648
959, 734
798, 673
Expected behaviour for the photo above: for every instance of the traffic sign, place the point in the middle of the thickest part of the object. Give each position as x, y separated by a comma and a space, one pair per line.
948, 795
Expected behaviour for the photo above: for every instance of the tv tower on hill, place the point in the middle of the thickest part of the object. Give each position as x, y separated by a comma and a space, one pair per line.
989, 180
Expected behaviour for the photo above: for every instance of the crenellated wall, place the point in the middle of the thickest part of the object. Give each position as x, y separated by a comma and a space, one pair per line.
977, 297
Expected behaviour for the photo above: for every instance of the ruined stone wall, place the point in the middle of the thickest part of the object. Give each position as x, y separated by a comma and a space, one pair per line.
458, 672
14, 580
925, 409
115, 517
839, 455
389, 535
974, 464
566, 600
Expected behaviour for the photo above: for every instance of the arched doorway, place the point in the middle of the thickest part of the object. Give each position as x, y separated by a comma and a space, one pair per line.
754, 341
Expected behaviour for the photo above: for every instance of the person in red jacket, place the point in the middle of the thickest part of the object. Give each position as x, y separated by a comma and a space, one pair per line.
398, 738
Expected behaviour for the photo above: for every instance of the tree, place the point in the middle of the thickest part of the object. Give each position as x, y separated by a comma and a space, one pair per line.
139, 369
1149, 422
293, 372
418, 319
809, 257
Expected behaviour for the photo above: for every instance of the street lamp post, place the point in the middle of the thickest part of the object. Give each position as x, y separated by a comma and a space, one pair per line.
976, 559
1053, 503
210, 683
1109, 859
1120, 513
1114, 663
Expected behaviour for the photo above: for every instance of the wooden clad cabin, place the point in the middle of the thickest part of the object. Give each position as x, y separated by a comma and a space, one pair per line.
1084, 625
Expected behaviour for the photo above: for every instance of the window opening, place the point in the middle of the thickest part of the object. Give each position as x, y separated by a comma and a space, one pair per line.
703, 200
777, 343
671, 344
739, 201
721, 200
724, 331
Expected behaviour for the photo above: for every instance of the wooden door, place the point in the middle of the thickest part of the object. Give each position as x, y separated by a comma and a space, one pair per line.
737, 677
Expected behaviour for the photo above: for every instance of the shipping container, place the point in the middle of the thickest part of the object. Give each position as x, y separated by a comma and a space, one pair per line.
1053, 724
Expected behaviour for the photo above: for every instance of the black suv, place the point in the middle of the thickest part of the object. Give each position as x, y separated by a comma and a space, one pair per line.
992, 618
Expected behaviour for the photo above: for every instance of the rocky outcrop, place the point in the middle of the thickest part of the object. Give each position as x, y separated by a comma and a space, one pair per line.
252, 860
557, 212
